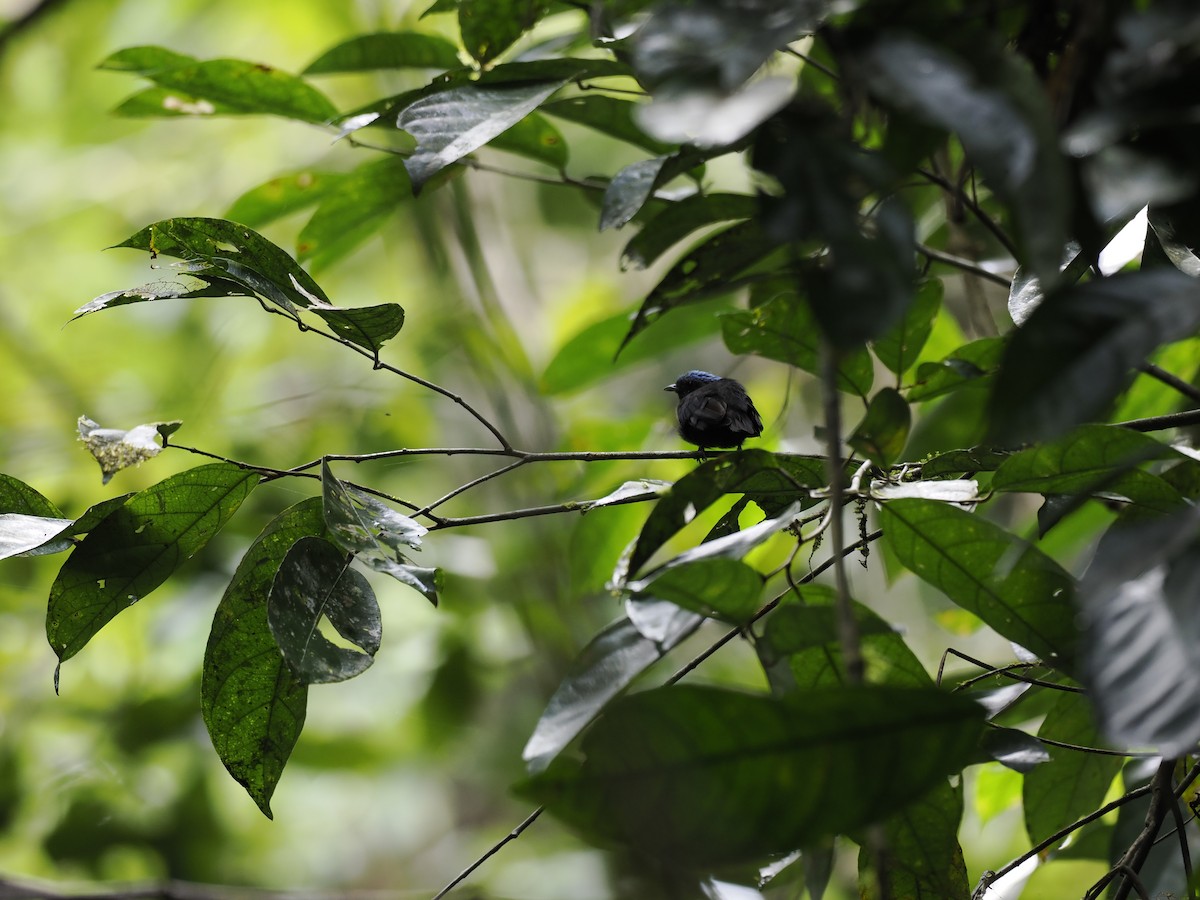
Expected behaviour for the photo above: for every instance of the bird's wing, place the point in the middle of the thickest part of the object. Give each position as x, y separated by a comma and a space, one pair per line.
709, 411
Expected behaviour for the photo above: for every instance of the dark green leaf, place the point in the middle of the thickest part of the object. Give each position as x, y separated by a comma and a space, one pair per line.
958, 462
94, 515
283, 195
450, 124
253, 704
1077, 351
18, 497
367, 326
1012, 586
489, 27
158, 102
609, 116
778, 478
727, 589
780, 325
374, 532
899, 348
386, 50
629, 190
1141, 633
1074, 782
137, 548
1093, 458
706, 776
707, 269
315, 583
229, 85
608, 664
353, 210
995, 107
590, 356
968, 363
1015, 749
883, 431
679, 220
924, 859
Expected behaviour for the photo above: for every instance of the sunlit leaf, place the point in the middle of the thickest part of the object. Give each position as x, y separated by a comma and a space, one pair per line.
18, 497
705, 776
253, 705
315, 583
137, 547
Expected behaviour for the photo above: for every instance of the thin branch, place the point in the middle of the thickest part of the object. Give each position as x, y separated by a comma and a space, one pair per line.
463, 488
1008, 671
965, 264
1162, 796
984, 219
1162, 423
1171, 380
496, 848
1185, 853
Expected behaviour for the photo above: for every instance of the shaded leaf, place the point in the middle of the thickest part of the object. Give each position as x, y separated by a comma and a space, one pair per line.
609, 116
253, 705
386, 50
1012, 586
608, 664
968, 363
137, 548
727, 589
315, 583
628, 191
680, 219
1026, 293
1014, 749
977, 459
450, 124
898, 349
706, 776
883, 431
780, 325
489, 27
924, 857
1078, 349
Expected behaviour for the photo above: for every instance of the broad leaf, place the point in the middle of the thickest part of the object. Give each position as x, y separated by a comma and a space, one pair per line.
609, 116
607, 665
280, 196
780, 325
1074, 782
718, 587
883, 431
386, 50
315, 583
137, 548
898, 349
253, 705
924, 859
1077, 351
22, 535
178, 286
451, 124
629, 190
1012, 586
18, 497
352, 212
1141, 662
534, 137
489, 27
680, 219
969, 363
706, 776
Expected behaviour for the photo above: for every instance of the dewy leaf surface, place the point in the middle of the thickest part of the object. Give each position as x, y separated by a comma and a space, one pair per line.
450, 124
315, 582
706, 776
1014, 587
253, 704
137, 548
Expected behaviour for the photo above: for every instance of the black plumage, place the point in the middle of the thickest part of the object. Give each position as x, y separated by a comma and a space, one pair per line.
714, 411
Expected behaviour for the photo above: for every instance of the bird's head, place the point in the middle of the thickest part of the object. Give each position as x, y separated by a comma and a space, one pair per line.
689, 381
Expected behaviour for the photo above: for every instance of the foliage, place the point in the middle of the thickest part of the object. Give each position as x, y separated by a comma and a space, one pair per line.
906, 158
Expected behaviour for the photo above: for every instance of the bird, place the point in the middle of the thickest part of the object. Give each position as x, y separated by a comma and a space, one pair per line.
714, 411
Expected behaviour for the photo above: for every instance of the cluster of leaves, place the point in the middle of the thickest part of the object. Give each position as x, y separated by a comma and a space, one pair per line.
882, 135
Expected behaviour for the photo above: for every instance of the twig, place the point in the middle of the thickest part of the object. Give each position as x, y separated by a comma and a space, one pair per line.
1162, 423
1162, 796
965, 264
1008, 671
463, 488
1171, 380
496, 848
984, 219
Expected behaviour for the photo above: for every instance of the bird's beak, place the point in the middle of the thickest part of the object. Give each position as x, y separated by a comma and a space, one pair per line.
669, 387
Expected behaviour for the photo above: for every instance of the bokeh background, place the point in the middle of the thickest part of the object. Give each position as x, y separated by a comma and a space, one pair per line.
401, 776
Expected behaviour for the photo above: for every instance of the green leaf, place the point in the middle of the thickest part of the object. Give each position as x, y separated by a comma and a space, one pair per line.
609, 116
605, 667
534, 137
883, 431
1093, 458
706, 270
96, 514
367, 326
161, 103
1074, 782
1077, 351
1012, 586
590, 356
18, 497
315, 583
451, 124
957, 462
354, 210
727, 589
280, 196
680, 219
230, 85
489, 27
705, 776
137, 548
374, 532
966, 365
779, 479
780, 325
900, 347
629, 190
995, 107
253, 705
386, 50
924, 859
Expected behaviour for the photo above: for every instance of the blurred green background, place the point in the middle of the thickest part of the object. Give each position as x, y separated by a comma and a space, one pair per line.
400, 778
